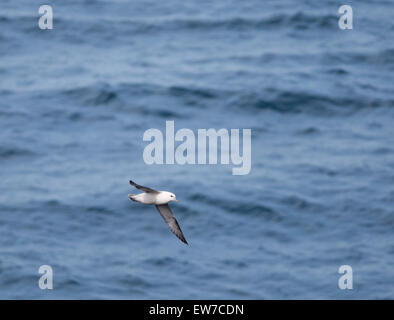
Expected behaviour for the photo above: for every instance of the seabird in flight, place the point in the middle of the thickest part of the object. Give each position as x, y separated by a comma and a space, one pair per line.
160, 199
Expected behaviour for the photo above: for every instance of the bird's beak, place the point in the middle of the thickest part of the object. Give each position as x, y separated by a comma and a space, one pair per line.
176, 200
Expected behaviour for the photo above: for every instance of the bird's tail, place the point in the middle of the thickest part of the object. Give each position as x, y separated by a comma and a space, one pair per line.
131, 197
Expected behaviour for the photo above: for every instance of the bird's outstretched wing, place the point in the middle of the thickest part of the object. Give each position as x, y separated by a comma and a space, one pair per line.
146, 189
169, 218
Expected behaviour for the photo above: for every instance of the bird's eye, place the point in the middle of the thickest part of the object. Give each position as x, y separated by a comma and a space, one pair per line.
172, 196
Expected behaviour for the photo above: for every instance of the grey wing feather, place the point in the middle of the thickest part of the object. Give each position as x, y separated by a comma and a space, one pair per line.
146, 189
169, 218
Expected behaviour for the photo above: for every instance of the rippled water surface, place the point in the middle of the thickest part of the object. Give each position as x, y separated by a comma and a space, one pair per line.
76, 100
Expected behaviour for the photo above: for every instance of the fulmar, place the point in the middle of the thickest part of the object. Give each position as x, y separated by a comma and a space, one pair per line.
160, 199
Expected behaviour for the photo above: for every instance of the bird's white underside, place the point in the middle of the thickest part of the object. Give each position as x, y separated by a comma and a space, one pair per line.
160, 198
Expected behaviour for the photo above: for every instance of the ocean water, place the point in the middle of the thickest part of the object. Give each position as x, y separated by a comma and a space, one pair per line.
75, 102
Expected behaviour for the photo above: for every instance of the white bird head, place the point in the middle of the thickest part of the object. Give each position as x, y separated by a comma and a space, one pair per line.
166, 197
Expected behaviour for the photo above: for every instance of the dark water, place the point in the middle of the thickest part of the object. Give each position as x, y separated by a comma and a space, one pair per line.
76, 100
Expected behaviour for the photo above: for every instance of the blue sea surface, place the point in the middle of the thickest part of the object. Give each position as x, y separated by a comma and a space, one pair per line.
75, 102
